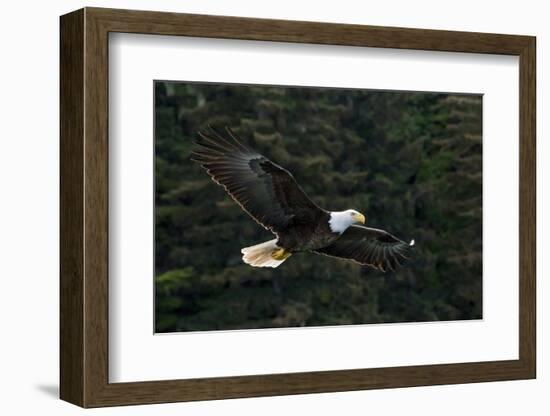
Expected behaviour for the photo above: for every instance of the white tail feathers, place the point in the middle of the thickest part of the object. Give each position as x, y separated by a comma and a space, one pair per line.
260, 254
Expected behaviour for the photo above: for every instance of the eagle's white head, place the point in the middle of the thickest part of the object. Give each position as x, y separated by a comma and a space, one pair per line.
340, 220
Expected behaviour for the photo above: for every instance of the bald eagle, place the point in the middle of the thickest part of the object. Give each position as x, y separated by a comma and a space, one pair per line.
270, 195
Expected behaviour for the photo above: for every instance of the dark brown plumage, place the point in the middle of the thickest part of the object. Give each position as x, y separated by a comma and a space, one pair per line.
369, 246
265, 190
271, 196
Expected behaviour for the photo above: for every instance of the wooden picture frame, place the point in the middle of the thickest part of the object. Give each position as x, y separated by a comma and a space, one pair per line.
84, 207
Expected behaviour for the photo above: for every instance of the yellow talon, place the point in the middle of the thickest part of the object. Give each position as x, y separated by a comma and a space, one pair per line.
280, 254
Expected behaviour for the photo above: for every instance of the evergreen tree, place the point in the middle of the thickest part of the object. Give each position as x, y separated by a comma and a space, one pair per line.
410, 161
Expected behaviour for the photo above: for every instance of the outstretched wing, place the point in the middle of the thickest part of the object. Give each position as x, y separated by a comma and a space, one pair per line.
369, 247
263, 189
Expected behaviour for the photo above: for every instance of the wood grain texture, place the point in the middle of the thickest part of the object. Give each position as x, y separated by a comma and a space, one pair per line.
96, 216
84, 207
162, 23
71, 100
527, 207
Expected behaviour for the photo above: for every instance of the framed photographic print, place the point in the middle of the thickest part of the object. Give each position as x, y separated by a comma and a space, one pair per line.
255, 207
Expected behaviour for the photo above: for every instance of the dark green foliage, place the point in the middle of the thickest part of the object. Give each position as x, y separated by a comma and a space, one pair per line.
411, 162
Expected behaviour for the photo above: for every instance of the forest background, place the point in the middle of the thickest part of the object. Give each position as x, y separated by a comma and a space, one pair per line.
410, 161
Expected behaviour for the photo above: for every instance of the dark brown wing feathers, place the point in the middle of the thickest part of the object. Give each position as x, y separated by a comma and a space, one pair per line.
263, 189
270, 195
369, 247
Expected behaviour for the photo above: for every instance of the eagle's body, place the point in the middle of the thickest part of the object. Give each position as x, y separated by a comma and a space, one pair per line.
307, 236
271, 196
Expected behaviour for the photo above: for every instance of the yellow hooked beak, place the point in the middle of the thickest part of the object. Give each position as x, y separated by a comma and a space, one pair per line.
360, 218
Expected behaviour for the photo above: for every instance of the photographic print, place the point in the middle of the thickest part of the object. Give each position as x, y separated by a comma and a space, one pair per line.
283, 206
